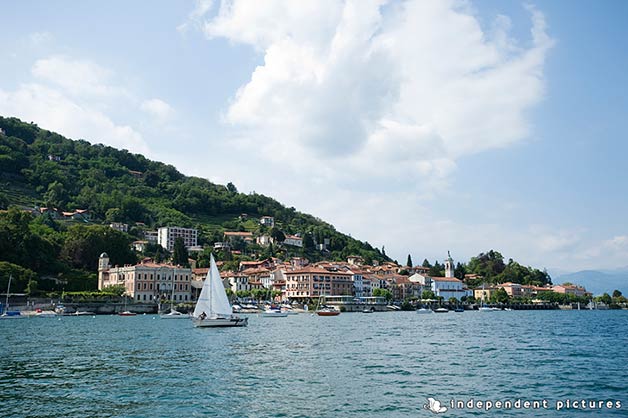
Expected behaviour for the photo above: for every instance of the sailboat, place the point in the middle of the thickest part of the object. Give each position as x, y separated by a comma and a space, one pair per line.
6, 314
173, 314
483, 307
324, 310
125, 312
212, 308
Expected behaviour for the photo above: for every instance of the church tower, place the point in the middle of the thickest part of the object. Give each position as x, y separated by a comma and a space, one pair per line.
103, 266
449, 266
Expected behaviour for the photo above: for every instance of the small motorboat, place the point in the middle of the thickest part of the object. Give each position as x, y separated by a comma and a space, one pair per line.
368, 310
174, 314
273, 312
441, 310
327, 312
126, 313
423, 311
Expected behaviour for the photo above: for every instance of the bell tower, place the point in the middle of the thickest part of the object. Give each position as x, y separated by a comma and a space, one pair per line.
103, 266
449, 266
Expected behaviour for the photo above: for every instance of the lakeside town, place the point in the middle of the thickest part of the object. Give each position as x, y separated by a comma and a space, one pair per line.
351, 285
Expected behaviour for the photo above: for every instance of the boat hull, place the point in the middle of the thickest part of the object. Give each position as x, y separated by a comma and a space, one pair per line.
180, 316
274, 314
327, 313
220, 322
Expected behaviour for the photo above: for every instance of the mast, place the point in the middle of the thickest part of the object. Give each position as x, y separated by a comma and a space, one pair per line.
211, 278
6, 304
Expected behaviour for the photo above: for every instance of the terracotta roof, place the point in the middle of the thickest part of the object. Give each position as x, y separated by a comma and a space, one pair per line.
238, 234
316, 270
446, 279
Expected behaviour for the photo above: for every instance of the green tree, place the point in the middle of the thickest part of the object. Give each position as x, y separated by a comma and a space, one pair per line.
500, 296
426, 264
606, 298
428, 294
180, 253
4, 201
616, 294
487, 265
117, 290
231, 187
409, 261
84, 244
56, 196
32, 288
277, 235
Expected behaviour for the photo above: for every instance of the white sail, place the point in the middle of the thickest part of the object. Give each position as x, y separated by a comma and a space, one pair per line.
213, 298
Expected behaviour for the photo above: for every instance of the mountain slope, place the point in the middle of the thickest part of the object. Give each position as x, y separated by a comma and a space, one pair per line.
597, 282
42, 168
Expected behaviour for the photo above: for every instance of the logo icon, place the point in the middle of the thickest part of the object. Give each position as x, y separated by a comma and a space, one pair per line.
434, 406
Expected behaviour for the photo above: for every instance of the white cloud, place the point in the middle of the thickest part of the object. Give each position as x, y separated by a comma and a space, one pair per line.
52, 110
405, 86
202, 7
40, 39
157, 108
71, 96
77, 77
364, 108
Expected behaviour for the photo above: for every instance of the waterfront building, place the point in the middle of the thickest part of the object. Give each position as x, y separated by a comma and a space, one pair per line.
167, 235
147, 281
312, 282
484, 292
570, 290
357, 277
448, 287
513, 289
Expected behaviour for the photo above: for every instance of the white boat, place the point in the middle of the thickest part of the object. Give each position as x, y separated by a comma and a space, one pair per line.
423, 311
441, 310
274, 313
174, 314
83, 313
212, 308
6, 313
485, 309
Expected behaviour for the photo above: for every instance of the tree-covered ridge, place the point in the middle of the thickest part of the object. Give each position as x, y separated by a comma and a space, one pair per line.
39, 168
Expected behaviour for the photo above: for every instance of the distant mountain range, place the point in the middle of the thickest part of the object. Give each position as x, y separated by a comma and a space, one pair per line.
597, 281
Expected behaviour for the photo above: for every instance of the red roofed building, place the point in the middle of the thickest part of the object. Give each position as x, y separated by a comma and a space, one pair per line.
312, 282
147, 281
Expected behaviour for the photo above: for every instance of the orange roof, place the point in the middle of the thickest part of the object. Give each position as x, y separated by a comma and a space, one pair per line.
316, 270
238, 234
446, 279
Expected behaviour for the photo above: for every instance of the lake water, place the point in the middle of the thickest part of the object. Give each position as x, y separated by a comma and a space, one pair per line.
353, 365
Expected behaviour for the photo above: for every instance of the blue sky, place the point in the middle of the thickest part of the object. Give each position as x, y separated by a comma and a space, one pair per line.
421, 126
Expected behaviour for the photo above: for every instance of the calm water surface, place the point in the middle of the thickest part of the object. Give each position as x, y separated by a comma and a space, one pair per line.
353, 365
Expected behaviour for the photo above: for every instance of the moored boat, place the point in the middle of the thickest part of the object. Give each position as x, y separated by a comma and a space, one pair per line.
327, 312
274, 312
441, 310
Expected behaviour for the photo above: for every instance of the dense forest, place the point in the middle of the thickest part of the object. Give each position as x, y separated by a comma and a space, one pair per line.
42, 169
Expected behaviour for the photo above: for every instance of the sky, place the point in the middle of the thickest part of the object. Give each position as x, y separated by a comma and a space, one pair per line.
418, 126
